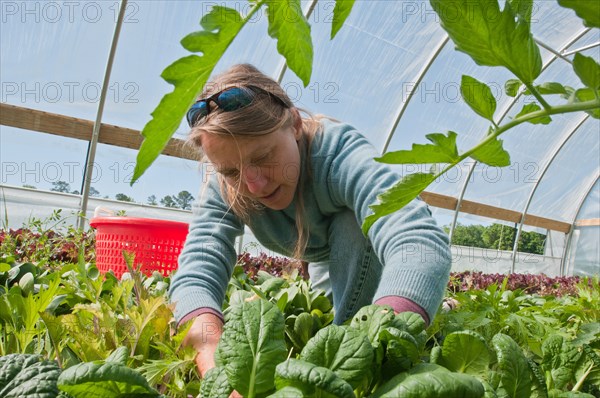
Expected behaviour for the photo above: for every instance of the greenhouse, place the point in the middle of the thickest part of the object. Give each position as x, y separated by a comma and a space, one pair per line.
487, 110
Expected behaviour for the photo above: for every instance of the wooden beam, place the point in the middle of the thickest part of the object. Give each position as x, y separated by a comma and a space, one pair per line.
589, 222
81, 129
65, 126
498, 213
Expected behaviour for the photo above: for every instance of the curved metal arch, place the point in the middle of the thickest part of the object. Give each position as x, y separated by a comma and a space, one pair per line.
504, 113
596, 44
537, 184
570, 235
91, 153
411, 94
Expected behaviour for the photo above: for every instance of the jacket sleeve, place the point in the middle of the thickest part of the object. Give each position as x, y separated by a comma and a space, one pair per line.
412, 247
208, 256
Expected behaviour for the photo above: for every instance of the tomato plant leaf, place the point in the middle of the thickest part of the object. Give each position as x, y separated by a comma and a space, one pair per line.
311, 379
465, 352
588, 70
443, 150
478, 96
522, 8
550, 88
529, 108
405, 190
515, 376
288, 25
492, 37
587, 94
511, 87
345, 351
188, 74
589, 11
340, 13
492, 154
251, 345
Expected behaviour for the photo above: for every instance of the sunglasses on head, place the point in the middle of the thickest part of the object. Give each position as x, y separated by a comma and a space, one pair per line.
229, 99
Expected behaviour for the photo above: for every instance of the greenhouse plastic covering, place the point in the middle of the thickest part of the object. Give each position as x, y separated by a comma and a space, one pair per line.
391, 72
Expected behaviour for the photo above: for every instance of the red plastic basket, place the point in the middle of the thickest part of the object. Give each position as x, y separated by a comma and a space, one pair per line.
156, 244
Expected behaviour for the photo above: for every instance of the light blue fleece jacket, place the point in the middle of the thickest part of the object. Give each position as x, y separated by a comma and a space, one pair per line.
413, 249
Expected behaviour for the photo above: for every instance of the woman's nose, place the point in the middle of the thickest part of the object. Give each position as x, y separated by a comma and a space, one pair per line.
255, 180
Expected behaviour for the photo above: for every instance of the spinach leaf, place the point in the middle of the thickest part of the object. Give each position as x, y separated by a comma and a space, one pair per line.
345, 351
311, 379
515, 376
24, 375
465, 352
251, 345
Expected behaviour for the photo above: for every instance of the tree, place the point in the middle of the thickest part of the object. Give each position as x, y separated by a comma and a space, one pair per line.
152, 200
29, 186
468, 235
94, 192
61, 186
124, 198
168, 201
184, 200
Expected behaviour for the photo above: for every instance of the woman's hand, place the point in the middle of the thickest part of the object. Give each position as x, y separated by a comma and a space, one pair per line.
204, 336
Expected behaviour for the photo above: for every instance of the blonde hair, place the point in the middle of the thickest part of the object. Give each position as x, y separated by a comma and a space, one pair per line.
265, 115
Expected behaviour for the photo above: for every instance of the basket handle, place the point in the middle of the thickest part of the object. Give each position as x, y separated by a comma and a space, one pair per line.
103, 211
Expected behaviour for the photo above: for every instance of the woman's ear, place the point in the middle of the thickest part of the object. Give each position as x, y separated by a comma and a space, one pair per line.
297, 123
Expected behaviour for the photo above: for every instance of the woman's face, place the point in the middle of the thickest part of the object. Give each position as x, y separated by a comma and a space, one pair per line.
265, 168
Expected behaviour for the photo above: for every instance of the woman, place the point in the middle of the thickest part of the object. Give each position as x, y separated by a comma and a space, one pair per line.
303, 186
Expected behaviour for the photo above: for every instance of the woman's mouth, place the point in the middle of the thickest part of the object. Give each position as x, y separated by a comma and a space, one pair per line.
272, 195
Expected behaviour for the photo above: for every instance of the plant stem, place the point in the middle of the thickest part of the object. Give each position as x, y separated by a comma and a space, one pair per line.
537, 95
559, 109
577, 386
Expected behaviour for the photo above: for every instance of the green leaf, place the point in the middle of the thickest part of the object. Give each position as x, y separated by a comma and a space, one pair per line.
311, 379
188, 74
251, 345
371, 320
443, 150
522, 8
587, 94
588, 70
340, 13
345, 351
550, 88
465, 352
492, 154
407, 189
515, 376
402, 350
478, 96
120, 355
529, 108
288, 392
511, 87
492, 37
215, 384
431, 381
588, 10
560, 359
288, 25
24, 375
102, 380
